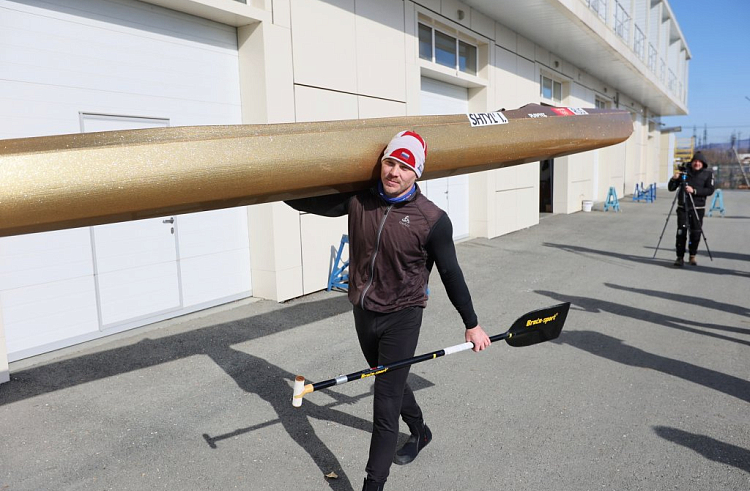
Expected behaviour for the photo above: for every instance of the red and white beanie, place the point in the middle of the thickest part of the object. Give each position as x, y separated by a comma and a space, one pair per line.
408, 148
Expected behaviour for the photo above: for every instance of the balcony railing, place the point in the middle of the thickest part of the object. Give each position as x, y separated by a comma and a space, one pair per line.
646, 51
662, 70
622, 22
600, 7
639, 43
652, 58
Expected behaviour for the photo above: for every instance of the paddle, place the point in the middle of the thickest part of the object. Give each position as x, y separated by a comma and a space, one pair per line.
531, 328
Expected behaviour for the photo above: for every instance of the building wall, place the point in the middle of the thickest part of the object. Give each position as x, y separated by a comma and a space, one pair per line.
337, 59
73, 66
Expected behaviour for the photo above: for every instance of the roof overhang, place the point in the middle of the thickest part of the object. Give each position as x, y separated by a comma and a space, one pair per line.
571, 30
231, 13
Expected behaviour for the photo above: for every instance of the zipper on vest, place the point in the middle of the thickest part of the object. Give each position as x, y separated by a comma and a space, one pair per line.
374, 255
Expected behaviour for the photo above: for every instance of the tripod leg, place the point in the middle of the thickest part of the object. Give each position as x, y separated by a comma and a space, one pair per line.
700, 226
665, 224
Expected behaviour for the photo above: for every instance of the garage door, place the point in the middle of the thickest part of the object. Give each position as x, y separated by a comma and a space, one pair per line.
93, 65
449, 193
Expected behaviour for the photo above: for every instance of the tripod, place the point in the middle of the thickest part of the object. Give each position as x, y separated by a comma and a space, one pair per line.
682, 192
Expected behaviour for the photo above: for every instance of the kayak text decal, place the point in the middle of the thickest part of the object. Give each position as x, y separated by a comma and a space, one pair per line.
569, 111
487, 119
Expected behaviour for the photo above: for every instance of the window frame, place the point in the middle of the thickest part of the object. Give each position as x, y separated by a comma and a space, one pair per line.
554, 82
471, 66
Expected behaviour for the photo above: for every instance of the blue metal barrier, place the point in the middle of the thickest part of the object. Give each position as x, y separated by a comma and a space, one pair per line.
339, 277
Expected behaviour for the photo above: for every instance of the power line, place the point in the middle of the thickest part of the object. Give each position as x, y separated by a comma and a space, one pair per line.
728, 127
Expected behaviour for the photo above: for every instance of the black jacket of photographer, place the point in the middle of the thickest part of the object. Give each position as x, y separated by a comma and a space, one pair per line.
702, 182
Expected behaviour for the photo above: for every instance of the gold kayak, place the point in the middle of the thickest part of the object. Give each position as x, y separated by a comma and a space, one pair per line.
55, 182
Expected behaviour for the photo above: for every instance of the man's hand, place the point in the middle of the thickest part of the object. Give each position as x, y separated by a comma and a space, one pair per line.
689, 189
478, 337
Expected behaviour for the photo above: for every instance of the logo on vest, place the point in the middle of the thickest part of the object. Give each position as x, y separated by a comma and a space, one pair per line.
405, 221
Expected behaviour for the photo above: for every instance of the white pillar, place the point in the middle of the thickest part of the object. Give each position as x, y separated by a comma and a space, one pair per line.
267, 88
4, 371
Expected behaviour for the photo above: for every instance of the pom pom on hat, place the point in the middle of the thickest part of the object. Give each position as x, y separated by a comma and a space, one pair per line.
407, 148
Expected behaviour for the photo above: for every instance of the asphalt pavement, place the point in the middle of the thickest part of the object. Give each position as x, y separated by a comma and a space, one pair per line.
647, 388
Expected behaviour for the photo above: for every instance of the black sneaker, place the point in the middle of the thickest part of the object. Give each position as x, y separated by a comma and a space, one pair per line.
679, 262
372, 485
412, 447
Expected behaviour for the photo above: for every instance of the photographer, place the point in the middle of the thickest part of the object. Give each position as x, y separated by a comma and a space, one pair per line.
695, 181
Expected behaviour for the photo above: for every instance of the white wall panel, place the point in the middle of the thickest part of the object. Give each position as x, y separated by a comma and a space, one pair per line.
324, 44
47, 288
311, 104
215, 277
47, 314
138, 292
506, 80
48, 257
370, 107
116, 57
214, 255
506, 209
381, 59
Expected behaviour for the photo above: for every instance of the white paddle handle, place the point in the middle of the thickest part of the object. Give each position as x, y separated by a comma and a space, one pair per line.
459, 347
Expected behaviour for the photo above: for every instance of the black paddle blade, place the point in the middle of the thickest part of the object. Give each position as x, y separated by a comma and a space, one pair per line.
538, 326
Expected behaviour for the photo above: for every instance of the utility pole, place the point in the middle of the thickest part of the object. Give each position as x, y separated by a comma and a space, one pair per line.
705, 135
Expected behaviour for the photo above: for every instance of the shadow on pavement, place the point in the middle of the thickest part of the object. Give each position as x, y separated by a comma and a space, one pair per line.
690, 300
645, 260
252, 374
614, 349
245, 369
70, 372
594, 305
708, 447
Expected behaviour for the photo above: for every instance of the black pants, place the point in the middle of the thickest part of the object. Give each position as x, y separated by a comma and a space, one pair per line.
696, 224
385, 338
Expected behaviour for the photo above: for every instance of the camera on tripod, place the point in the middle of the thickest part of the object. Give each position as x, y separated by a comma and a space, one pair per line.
682, 169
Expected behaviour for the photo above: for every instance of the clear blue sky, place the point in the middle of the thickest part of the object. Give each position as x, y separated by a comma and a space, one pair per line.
718, 36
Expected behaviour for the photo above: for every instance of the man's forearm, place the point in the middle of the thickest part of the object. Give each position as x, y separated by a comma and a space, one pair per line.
333, 205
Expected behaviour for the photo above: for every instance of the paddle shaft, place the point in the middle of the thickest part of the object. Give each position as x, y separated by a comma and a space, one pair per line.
370, 372
531, 328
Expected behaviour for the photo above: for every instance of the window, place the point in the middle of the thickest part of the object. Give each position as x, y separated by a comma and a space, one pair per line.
467, 58
600, 103
550, 89
441, 48
425, 42
445, 50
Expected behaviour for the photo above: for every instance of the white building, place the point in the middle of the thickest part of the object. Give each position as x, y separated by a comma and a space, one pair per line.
71, 66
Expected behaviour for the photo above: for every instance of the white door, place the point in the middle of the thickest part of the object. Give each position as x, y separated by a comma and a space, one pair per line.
135, 263
449, 193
